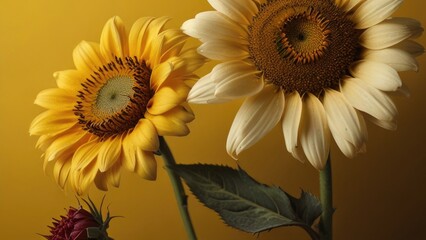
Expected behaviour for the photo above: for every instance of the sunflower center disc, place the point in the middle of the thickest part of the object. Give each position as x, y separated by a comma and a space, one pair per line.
303, 45
114, 98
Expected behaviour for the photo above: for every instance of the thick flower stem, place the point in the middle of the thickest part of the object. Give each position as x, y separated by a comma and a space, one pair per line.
180, 195
326, 191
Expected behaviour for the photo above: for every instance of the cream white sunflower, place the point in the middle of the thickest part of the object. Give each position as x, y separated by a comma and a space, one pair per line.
109, 112
319, 67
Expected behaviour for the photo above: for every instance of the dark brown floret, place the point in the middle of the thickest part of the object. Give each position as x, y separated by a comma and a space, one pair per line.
103, 123
303, 45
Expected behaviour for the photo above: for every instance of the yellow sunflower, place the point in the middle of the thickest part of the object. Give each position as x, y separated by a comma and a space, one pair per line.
320, 67
109, 112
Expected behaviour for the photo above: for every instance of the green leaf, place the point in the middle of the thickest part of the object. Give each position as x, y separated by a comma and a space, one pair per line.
246, 204
308, 207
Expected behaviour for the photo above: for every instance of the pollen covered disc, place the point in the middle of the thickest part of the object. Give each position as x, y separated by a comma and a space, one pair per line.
303, 45
114, 98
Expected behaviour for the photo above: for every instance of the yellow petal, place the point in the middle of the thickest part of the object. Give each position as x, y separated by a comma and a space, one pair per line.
146, 166
109, 153
101, 181
114, 39
62, 169
129, 152
56, 98
159, 74
188, 62
44, 141
52, 122
155, 50
173, 44
86, 154
113, 175
69, 79
67, 141
173, 122
138, 36
154, 28
170, 95
87, 57
144, 136
81, 179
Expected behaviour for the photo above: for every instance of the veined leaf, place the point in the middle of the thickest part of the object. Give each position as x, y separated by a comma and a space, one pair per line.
246, 204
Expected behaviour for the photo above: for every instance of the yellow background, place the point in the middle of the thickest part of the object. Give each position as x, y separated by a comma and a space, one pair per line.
378, 195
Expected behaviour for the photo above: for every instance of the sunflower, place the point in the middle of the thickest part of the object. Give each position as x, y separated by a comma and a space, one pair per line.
319, 67
109, 112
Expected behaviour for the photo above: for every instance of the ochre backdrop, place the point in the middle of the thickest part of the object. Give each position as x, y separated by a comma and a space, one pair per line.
378, 195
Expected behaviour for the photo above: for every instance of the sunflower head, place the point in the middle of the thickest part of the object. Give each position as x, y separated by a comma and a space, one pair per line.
301, 47
108, 112
319, 67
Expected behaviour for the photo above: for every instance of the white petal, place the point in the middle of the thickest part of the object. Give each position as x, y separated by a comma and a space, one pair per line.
364, 131
223, 50
241, 11
402, 91
291, 121
389, 125
203, 92
347, 148
390, 32
314, 132
342, 118
213, 25
412, 47
347, 5
398, 59
374, 11
379, 75
236, 79
368, 99
256, 117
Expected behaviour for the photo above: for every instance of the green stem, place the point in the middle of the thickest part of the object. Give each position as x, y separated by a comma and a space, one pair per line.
180, 195
326, 191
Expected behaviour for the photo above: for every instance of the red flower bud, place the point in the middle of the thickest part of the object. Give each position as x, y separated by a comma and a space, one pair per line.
77, 224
